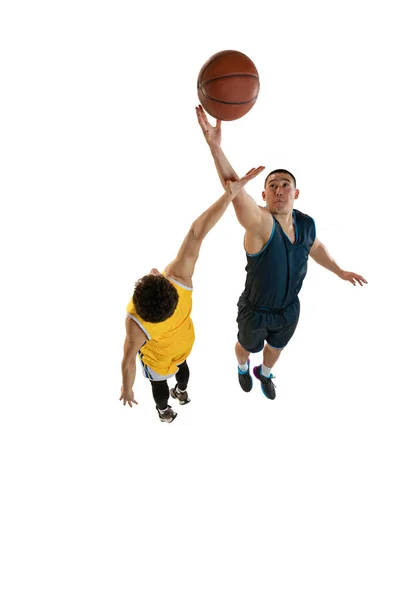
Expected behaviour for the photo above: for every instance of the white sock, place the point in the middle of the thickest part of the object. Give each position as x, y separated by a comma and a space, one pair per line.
266, 371
163, 410
244, 367
179, 391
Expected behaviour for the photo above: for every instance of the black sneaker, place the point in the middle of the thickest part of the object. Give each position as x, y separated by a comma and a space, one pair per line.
181, 396
267, 386
168, 416
245, 379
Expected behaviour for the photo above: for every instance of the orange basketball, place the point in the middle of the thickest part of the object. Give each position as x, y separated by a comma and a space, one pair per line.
228, 85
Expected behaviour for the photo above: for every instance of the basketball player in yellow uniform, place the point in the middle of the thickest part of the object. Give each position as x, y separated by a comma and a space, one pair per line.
158, 324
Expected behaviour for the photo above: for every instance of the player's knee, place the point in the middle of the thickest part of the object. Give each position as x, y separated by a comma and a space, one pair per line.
273, 350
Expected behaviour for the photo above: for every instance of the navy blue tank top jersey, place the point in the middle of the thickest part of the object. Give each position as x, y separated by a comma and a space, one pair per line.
275, 274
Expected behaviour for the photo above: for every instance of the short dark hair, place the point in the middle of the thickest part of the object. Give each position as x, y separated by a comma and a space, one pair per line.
155, 298
281, 171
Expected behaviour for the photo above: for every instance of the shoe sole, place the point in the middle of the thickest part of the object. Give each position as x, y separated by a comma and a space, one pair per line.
165, 421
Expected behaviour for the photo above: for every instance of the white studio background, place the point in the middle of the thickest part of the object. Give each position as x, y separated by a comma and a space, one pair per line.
104, 168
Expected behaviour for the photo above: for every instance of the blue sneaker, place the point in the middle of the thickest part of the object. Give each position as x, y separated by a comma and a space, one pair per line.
267, 386
245, 379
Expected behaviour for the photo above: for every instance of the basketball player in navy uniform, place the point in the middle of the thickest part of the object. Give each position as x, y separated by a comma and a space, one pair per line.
278, 241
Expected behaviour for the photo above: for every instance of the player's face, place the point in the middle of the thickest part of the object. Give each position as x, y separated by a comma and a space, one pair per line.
280, 193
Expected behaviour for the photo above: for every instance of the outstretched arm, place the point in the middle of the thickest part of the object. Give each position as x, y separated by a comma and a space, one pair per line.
247, 210
182, 267
321, 256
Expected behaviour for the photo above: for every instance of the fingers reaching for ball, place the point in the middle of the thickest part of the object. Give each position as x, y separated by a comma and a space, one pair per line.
233, 187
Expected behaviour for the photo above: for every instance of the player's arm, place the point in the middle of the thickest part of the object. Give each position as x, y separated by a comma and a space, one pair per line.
134, 340
182, 268
247, 210
321, 256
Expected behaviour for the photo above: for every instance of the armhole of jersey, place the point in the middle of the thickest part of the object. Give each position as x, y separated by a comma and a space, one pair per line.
185, 287
140, 325
315, 230
262, 249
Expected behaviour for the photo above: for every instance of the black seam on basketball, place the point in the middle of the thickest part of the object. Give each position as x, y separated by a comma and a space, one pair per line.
230, 103
218, 56
227, 77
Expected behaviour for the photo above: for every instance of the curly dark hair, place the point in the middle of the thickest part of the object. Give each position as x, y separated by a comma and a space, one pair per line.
155, 298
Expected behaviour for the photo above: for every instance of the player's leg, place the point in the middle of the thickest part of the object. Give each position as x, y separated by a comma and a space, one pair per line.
182, 377
263, 372
251, 335
160, 391
281, 329
270, 358
245, 379
241, 354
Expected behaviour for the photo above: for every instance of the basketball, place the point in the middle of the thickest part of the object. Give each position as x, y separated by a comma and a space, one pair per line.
228, 85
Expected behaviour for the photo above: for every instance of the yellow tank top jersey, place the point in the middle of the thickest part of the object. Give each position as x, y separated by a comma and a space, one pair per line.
169, 343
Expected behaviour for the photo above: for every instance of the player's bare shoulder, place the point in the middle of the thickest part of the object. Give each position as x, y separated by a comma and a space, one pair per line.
267, 221
256, 239
134, 334
267, 218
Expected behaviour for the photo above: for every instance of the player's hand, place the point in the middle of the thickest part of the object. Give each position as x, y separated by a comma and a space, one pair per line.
352, 277
127, 396
212, 134
233, 187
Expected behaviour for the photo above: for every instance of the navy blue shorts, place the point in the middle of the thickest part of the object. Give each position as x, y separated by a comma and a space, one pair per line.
257, 326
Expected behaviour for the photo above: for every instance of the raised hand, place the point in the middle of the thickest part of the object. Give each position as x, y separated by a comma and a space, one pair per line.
233, 187
211, 134
352, 277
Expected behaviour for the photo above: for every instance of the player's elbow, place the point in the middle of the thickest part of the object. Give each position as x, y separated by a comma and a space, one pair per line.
196, 232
